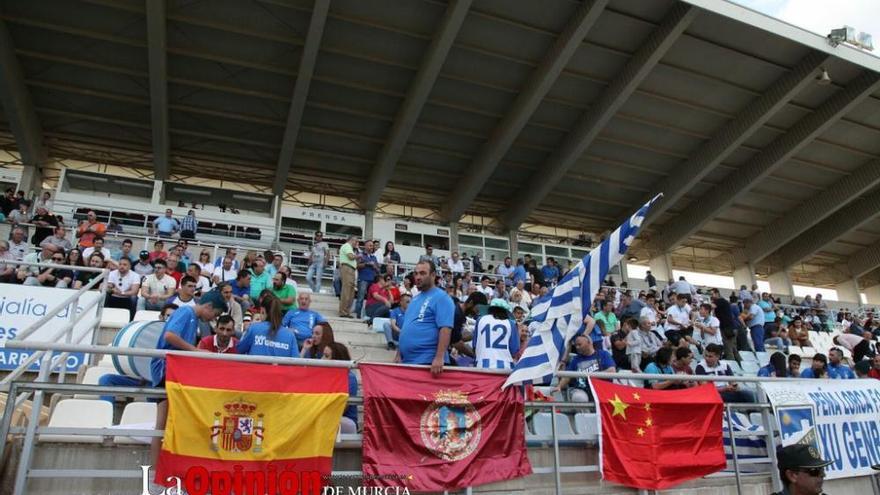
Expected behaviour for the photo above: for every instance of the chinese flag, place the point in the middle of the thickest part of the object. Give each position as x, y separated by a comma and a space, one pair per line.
434, 434
657, 439
261, 418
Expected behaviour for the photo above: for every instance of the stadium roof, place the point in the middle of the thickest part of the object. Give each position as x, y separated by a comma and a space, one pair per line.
557, 112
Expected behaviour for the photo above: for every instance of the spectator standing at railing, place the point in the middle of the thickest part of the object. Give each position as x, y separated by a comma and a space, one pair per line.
368, 269
505, 272
752, 317
45, 225
8, 202
45, 202
123, 286
56, 242
428, 322
89, 229
166, 226
347, 273
189, 226
18, 245
319, 253
550, 272
157, 288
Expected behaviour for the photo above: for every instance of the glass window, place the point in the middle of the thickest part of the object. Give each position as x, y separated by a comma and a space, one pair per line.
343, 230
407, 239
561, 252
300, 224
528, 247
496, 244
579, 253
470, 240
494, 257
437, 242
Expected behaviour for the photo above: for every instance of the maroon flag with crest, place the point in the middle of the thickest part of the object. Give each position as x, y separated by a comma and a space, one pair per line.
446, 433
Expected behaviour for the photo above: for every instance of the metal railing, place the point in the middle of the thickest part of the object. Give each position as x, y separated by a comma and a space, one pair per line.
40, 388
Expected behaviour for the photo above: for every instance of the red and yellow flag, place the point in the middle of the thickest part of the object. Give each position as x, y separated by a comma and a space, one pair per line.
657, 439
249, 419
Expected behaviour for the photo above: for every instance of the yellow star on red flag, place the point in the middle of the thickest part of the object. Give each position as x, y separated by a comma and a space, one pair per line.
619, 407
637, 396
641, 432
649, 422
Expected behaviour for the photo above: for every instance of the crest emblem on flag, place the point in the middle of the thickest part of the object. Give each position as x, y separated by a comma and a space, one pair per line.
451, 427
235, 430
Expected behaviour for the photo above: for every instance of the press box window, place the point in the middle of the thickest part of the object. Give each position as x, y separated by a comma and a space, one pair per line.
437, 242
407, 239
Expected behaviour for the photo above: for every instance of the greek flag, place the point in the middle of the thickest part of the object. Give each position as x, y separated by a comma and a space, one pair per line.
561, 312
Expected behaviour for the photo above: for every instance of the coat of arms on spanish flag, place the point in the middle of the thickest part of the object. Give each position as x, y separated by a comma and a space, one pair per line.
254, 420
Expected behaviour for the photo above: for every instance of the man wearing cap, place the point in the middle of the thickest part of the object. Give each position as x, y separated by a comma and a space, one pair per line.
143, 267
801, 470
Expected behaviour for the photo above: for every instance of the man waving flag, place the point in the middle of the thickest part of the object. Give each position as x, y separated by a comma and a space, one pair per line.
562, 311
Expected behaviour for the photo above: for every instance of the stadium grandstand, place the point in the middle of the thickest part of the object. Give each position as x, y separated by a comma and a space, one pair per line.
311, 167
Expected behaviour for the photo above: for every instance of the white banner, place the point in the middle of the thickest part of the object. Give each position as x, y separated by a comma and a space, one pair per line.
22, 305
841, 418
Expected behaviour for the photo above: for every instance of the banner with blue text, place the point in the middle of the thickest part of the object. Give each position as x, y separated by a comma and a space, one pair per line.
841, 418
22, 305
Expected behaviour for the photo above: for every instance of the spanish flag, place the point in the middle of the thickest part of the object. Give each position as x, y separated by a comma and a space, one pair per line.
254, 422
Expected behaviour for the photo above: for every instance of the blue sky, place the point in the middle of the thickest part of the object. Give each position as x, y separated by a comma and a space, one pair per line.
821, 16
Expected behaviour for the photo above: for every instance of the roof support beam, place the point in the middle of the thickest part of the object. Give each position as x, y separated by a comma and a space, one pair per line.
540, 82
864, 261
18, 105
416, 97
817, 208
827, 231
157, 56
714, 201
733, 134
594, 119
300, 92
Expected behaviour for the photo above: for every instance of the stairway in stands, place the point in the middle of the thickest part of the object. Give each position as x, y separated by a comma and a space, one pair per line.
363, 343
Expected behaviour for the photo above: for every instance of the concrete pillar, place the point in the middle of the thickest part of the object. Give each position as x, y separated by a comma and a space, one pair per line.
158, 192
848, 291
624, 273
744, 275
661, 268
872, 294
31, 181
368, 224
453, 236
780, 283
276, 209
514, 244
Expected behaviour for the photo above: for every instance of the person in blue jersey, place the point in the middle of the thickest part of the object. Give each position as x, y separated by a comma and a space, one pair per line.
818, 368
496, 337
394, 325
301, 320
179, 333
338, 352
428, 322
269, 337
777, 367
588, 359
836, 369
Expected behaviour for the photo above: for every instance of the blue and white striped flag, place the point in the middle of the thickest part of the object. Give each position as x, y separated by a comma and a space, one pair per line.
562, 311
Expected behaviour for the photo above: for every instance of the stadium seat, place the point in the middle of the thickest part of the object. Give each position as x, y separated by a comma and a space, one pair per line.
91, 377
748, 356
114, 318
587, 426
146, 315
795, 350
750, 368
808, 352
629, 381
137, 415
543, 428
763, 358
81, 413
379, 324
734, 366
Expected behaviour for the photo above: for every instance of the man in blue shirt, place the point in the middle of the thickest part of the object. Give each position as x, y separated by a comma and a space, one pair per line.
394, 324
753, 317
505, 271
519, 273
551, 272
166, 226
368, 268
301, 320
587, 358
179, 333
836, 369
428, 322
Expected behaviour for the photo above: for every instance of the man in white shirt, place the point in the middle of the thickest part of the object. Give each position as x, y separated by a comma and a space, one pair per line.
226, 272
455, 264
707, 327
649, 311
487, 288
157, 288
122, 288
642, 344
203, 285
18, 245
678, 317
98, 247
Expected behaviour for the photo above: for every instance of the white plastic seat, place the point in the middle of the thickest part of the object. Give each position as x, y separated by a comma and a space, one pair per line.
795, 350
763, 358
587, 426
146, 315
81, 413
91, 377
114, 318
750, 367
379, 324
748, 356
543, 428
137, 415
808, 352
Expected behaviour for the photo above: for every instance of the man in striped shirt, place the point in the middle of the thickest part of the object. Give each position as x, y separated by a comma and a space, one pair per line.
189, 226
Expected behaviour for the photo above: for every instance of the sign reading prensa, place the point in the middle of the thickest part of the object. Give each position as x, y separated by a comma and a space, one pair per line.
840, 418
21, 306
